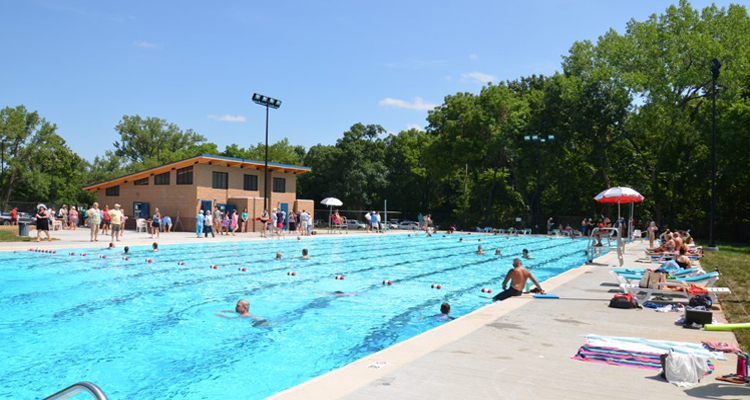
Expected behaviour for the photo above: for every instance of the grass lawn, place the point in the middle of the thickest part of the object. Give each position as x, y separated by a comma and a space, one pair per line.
9, 233
733, 260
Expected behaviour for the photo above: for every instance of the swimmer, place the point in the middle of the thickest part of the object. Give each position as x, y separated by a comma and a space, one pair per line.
299, 238
278, 255
155, 246
305, 256
126, 249
111, 246
498, 252
526, 255
461, 239
445, 310
338, 293
243, 309
480, 250
480, 240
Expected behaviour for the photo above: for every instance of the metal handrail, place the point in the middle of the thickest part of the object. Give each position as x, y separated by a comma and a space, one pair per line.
619, 246
77, 388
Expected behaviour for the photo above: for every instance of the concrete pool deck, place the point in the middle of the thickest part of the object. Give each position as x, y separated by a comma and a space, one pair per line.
522, 349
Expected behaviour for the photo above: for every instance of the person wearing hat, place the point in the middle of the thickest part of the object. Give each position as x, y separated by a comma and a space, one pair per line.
42, 222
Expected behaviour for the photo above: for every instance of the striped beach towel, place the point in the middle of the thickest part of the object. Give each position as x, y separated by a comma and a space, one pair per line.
615, 356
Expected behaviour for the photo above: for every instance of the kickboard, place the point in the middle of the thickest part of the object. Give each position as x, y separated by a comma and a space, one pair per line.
726, 327
546, 296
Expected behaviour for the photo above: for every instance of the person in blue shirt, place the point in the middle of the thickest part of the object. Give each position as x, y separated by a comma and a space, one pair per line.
199, 223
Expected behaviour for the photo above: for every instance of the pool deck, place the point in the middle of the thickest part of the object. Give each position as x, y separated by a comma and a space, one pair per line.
522, 349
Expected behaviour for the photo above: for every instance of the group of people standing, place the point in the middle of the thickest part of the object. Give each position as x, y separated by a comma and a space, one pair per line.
226, 223
373, 221
276, 222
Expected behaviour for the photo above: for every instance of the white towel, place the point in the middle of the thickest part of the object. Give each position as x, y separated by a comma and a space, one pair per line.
653, 346
685, 370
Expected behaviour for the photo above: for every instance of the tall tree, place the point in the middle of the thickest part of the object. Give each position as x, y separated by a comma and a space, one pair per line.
152, 140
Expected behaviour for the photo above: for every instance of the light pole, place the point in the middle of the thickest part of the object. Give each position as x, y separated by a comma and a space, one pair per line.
715, 67
268, 103
539, 140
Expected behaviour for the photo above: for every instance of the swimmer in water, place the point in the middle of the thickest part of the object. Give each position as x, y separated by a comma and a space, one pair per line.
126, 249
155, 246
243, 310
461, 239
526, 255
498, 252
339, 293
480, 250
305, 256
445, 310
111, 246
278, 255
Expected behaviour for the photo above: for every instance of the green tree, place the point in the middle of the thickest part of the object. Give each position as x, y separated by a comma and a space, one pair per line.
152, 141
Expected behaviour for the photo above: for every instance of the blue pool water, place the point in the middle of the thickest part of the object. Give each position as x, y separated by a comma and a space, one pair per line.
148, 331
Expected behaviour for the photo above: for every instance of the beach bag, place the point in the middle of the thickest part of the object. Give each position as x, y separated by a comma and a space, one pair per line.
696, 290
701, 300
625, 301
651, 278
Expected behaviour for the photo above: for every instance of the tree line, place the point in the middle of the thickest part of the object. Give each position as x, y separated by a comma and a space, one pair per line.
631, 109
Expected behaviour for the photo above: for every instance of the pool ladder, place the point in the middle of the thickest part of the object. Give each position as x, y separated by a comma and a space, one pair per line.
78, 388
611, 240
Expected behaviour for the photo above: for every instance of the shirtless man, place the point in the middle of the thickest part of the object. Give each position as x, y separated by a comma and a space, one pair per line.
678, 242
243, 309
305, 255
480, 250
518, 276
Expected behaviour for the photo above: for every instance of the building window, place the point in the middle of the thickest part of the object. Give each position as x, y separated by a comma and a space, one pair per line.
279, 185
141, 182
221, 180
162, 179
113, 191
185, 176
251, 182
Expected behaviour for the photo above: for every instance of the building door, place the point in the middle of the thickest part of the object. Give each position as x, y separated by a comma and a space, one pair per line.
285, 208
140, 210
205, 205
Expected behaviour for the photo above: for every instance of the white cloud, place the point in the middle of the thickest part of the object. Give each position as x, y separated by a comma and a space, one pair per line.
473, 56
142, 44
478, 77
413, 126
418, 104
227, 118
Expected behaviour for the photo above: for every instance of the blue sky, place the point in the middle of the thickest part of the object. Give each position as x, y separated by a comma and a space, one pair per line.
85, 64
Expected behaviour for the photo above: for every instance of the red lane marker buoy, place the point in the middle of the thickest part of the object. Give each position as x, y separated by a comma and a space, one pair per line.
216, 267
104, 256
54, 252
489, 290
341, 277
148, 261
83, 255
384, 282
484, 290
390, 283
73, 253
438, 287
432, 286
244, 269
336, 277
294, 274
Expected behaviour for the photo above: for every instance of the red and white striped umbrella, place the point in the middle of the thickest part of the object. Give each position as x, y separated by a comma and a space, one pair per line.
619, 195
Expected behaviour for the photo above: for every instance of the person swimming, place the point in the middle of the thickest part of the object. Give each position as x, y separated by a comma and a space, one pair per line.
480, 250
126, 250
526, 255
339, 293
111, 246
445, 310
305, 256
498, 252
155, 246
278, 255
243, 310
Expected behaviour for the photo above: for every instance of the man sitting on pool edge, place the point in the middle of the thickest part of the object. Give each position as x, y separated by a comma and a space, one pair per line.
518, 276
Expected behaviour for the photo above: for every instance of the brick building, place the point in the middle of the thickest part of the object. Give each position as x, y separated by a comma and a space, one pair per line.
179, 189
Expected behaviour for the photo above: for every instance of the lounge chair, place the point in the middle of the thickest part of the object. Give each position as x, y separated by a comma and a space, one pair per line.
487, 229
706, 281
479, 229
634, 275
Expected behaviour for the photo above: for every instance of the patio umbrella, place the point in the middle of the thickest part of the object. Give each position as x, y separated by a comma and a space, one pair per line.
620, 195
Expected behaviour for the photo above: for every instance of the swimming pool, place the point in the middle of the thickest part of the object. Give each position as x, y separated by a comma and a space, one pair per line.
148, 331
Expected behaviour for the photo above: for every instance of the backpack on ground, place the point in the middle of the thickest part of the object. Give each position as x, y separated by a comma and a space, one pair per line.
701, 300
625, 301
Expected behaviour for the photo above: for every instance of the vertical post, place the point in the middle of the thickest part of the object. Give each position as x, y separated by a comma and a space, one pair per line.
266, 201
466, 176
715, 67
385, 213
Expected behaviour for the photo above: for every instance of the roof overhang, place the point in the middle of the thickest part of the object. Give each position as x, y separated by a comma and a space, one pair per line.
205, 159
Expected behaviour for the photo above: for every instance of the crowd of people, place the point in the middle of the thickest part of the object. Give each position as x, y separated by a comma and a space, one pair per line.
276, 223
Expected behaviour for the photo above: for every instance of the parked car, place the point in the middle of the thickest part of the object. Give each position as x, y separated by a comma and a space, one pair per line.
393, 224
408, 225
354, 224
22, 217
